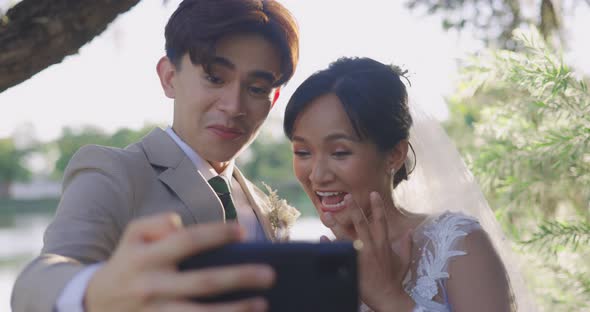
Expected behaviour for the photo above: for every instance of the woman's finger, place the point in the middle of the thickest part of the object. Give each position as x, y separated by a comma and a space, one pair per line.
338, 229
378, 225
359, 221
406, 245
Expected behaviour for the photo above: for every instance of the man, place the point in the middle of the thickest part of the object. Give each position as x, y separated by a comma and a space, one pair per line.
117, 236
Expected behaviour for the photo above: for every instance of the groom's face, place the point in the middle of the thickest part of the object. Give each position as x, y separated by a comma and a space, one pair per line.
218, 113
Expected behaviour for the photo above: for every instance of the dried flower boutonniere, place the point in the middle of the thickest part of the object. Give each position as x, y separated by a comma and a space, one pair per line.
281, 215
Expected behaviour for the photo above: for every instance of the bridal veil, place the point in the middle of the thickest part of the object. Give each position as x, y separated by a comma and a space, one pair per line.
441, 181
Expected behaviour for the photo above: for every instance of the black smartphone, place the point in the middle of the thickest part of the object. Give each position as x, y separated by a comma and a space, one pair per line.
309, 276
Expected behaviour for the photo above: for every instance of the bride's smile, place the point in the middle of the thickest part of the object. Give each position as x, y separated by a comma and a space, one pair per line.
333, 159
331, 201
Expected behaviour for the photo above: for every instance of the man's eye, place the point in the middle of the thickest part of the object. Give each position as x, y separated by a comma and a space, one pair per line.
259, 90
214, 79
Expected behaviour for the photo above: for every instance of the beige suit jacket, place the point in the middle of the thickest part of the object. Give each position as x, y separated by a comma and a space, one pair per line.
103, 190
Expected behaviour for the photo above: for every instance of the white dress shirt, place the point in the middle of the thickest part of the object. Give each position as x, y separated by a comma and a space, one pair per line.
245, 214
72, 296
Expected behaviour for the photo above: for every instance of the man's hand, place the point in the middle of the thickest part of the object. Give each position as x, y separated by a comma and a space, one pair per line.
142, 273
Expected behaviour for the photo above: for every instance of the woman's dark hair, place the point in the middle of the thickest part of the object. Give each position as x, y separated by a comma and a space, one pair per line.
373, 96
197, 25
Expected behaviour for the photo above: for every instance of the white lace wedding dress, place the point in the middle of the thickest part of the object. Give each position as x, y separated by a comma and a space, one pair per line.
435, 243
441, 180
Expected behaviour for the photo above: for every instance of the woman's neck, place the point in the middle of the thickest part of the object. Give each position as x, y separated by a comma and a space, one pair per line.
400, 221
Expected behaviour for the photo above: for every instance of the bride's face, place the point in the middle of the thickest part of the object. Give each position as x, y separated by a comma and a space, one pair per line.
330, 160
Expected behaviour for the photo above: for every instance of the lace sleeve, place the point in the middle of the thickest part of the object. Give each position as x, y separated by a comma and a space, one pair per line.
435, 244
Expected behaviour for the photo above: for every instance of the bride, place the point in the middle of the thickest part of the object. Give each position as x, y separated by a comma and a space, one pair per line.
350, 126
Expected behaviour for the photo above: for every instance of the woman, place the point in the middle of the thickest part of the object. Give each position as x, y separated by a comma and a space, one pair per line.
350, 127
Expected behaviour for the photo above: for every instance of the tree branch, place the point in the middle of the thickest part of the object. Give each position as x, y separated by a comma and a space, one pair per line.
35, 34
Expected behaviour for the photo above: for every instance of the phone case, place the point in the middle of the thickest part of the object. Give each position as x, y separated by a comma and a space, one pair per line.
310, 276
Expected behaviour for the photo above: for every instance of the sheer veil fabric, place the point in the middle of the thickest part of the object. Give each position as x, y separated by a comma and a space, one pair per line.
442, 182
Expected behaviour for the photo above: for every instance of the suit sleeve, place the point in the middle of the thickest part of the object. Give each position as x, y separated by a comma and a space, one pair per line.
95, 206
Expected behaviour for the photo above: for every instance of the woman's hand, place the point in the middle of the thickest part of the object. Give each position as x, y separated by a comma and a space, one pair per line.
382, 269
342, 232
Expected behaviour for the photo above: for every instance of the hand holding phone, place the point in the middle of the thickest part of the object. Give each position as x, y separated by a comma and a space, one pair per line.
309, 276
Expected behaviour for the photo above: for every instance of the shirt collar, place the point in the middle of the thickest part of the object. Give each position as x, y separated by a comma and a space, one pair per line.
201, 164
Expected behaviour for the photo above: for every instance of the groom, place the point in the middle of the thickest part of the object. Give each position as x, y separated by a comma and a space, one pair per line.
117, 234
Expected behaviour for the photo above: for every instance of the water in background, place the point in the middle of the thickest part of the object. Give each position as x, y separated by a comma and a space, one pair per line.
22, 239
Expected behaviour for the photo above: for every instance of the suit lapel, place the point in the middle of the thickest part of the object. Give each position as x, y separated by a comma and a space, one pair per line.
182, 177
194, 192
257, 202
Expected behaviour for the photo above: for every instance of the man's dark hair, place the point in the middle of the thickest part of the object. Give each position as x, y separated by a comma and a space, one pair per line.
197, 25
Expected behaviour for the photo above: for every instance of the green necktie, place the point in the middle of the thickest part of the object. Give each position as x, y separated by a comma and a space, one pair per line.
221, 188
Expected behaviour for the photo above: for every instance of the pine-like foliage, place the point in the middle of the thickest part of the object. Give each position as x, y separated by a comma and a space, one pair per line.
522, 121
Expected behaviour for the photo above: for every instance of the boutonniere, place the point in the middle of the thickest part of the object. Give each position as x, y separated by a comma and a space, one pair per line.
281, 215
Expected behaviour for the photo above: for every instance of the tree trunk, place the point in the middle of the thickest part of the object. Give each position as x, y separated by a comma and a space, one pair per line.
35, 34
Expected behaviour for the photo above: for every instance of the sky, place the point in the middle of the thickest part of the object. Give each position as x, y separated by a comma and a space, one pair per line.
112, 82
